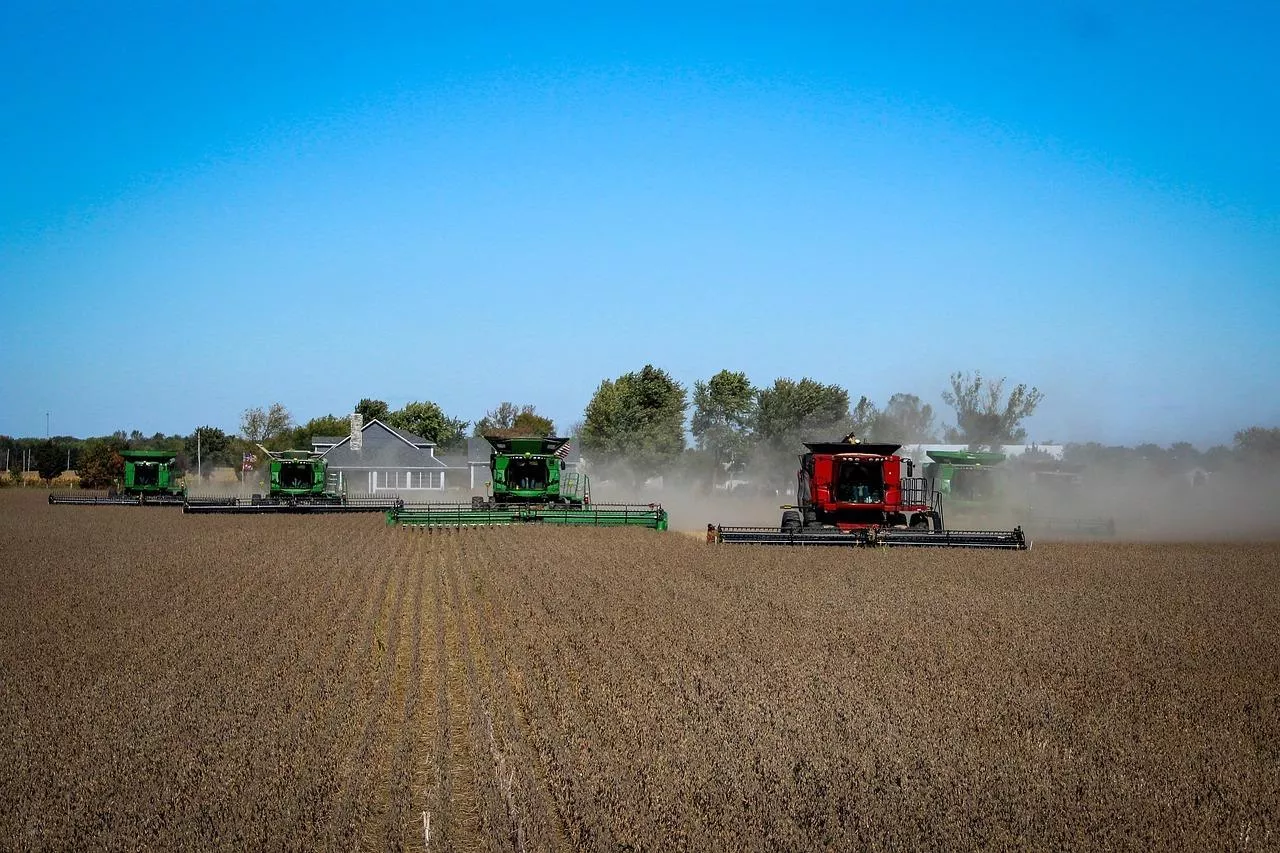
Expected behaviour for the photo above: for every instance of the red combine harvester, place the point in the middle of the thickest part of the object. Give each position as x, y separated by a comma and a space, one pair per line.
856, 494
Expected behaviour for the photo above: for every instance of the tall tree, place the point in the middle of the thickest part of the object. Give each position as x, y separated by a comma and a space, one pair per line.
1258, 443
373, 410
905, 420
863, 418
790, 411
636, 422
49, 459
327, 425
266, 426
100, 463
214, 448
722, 410
428, 420
984, 417
509, 419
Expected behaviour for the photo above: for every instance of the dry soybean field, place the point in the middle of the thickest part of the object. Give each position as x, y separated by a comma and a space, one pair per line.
173, 682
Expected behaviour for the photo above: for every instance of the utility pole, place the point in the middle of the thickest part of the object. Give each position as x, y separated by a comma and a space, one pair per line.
199, 463
46, 424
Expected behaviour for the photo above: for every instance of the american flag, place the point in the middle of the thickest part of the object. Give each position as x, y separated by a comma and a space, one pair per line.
562, 451
247, 462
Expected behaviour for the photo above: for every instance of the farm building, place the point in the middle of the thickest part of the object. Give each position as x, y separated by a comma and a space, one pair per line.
376, 458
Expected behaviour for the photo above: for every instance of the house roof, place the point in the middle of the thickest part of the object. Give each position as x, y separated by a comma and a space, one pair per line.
395, 449
404, 435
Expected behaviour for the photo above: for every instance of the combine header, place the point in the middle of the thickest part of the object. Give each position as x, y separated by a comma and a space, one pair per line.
529, 486
297, 484
149, 480
854, 494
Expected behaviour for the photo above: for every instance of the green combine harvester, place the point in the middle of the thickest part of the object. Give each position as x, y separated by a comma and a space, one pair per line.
149, 480
297, 483
969, 479
1042, 497
529, 485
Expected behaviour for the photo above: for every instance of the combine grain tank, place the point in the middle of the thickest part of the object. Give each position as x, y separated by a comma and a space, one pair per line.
149, 480
854, 494
530, 486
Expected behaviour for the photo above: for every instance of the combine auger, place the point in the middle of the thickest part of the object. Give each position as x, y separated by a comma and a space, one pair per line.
856, 495
149, 480
529, 486
297, 484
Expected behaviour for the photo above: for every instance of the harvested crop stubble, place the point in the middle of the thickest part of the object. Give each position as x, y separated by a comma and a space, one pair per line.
176, 682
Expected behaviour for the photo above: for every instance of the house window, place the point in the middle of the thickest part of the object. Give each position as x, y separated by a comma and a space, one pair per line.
426, 480
409, 480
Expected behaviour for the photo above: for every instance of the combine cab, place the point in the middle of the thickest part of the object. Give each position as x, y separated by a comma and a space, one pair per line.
296, 484
149, 480
852, 494
529, 486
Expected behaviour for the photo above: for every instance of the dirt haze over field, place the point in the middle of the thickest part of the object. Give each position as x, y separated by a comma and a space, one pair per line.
1236, 504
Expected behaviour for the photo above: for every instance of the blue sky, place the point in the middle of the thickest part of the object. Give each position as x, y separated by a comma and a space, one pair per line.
209, 209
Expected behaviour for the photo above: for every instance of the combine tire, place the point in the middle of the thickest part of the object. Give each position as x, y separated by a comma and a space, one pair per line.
791, 522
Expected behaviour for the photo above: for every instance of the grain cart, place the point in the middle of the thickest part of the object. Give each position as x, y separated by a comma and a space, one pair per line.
296, 484
854, 494
529, 485
149, 480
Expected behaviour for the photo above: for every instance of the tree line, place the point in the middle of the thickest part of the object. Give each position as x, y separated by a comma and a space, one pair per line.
638, 425
97, 461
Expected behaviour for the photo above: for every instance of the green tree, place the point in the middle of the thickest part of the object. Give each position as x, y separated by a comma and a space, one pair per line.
268, 427
373, 410
1258, 443
790, 411
327, 425
636, 423
984, 417
101, 464
722, 410
49, 459
863, 418
905, 420
429, 421
214, 448
509, 419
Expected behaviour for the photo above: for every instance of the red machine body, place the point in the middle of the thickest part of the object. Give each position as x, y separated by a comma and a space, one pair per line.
857, 486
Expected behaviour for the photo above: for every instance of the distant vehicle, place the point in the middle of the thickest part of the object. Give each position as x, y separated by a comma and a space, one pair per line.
851, 493
149, 480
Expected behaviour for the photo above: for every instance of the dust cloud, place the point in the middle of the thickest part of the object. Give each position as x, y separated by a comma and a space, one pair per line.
1235, 504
